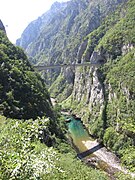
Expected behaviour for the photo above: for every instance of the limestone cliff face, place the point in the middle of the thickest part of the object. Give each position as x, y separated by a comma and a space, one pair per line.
55, 37
106, 100
88, 87
30, 37
30, 33
104, 93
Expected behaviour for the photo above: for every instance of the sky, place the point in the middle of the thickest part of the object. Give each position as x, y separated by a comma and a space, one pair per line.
17, 14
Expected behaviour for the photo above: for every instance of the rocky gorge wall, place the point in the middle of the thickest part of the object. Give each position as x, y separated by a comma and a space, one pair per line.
55, 37
102, 95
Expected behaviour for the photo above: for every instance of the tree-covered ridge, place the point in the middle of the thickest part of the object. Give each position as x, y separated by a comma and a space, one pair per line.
121, 33
115, 31
120, 110
23, 93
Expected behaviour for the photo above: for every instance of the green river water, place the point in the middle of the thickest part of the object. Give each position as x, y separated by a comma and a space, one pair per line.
78, 134
104, 159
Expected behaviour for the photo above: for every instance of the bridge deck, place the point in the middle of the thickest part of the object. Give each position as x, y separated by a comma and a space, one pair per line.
40, 68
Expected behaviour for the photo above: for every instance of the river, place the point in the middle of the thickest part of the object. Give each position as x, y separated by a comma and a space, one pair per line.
92, 152
97, 155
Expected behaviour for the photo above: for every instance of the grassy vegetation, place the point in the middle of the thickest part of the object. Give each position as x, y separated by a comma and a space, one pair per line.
23, 156
120, 110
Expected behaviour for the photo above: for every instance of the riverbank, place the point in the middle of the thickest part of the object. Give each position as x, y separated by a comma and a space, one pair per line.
100, 157
92, 152
105, 159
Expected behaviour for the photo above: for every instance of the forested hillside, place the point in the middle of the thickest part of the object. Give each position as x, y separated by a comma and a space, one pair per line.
32, 143
23, 93
104, 97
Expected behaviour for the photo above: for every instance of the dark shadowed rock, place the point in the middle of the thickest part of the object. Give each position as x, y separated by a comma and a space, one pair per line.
2, 26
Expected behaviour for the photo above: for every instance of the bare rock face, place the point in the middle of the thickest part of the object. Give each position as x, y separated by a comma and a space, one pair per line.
88, 89
97, 94
56, 36
30, 33
126, 48
69, 74
2, 26
97, 58
81, 50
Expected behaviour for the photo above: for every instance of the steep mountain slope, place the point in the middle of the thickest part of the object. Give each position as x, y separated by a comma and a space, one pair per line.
59, 33
24, 151
104, 96
34, 28
23, 93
